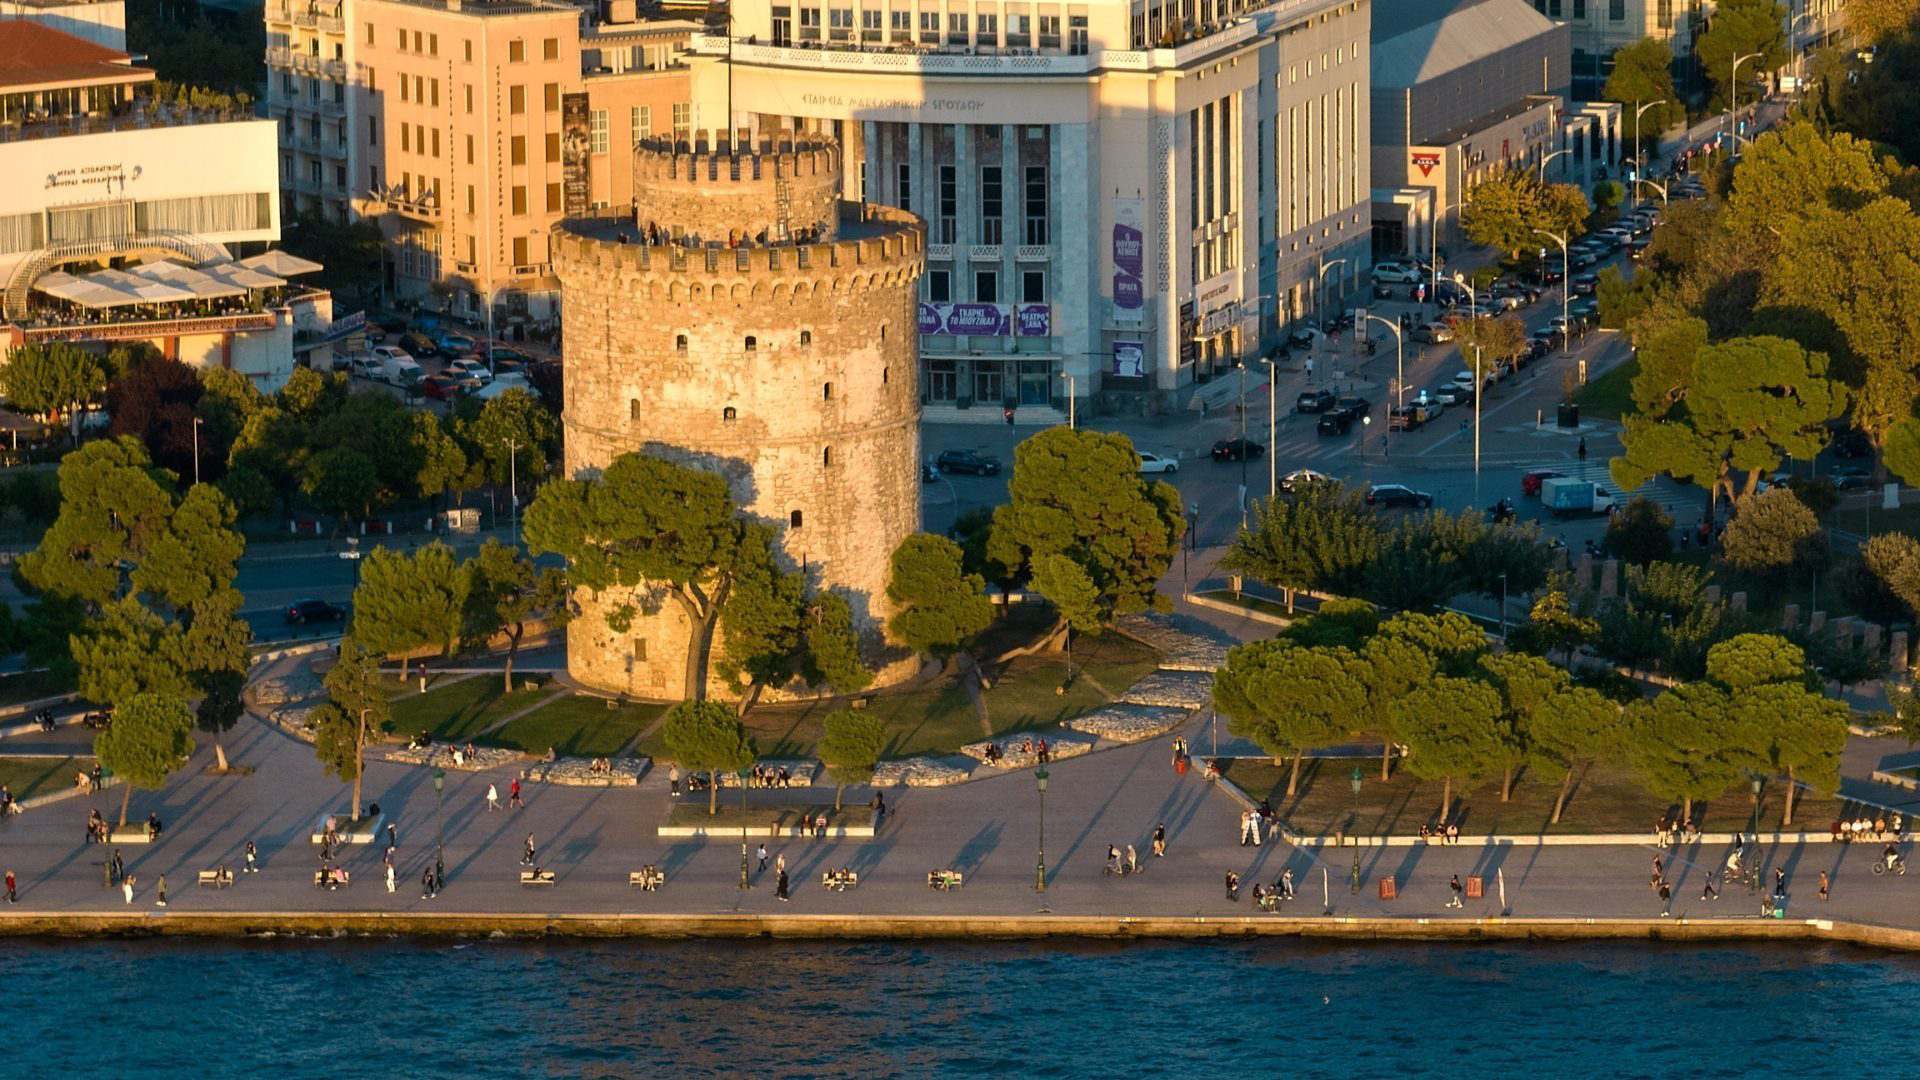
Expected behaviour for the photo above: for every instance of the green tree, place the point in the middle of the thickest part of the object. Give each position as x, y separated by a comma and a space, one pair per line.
1740, 27
1500, 212
1489, 343
1577, 727
833, 646
1074, 596
1642, 73
647, 521
1802, 730
443, 465
343, 481
151, 737
850, 746
1894, 561
111, 502
51, 379
1323, 538
1408, 651
1452, 729
1421, 562
1555, 625
1624, 299
356, 706
707, 737
1875, 21
406, 602
513, 436
763, 624
938, 606
1339, 621
1529, 688
1691, 743
1774, 531
1079, 494
1640, 532
507, 591
128, 650
1290, 698
220, 708
1748, 403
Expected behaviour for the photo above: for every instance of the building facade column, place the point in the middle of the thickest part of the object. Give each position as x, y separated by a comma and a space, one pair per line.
1073, 231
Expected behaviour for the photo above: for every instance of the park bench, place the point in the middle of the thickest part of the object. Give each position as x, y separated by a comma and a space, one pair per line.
332, 879
945, 879
219, 878
839, 880
537, 876
648, 878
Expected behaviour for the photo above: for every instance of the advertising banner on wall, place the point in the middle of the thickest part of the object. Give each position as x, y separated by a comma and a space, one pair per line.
576, 153
1129, 263
1129, 358
987, 320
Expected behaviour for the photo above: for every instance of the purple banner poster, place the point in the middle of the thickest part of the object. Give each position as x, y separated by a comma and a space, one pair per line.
1034, 320
1129, 359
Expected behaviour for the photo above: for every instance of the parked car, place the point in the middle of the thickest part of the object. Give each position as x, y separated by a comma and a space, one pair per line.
1313, 401
1452, 394
1405, 418
501, 384
1154, 463
301, 612
1301, 479
468, 367
1584, 284
968, 461
442, 386
1398, 495
1237, 450
452, 344
395, 367
1638, 249
1431, 406
1433, 333
418, 344
1395, 273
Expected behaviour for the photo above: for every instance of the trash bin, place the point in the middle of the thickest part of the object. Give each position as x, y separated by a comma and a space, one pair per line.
1388, 890
1476, 887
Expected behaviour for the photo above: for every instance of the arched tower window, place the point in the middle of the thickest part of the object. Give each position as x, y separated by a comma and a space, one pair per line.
752, 343
826, 392
793, 520
729, 414
680, 343
633, 408
826, 457
806, 338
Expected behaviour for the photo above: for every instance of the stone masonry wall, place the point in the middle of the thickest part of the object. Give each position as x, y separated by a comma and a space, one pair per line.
685, 190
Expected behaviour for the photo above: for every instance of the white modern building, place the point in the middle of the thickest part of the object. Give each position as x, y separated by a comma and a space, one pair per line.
103, 22
1122, 200
96, 178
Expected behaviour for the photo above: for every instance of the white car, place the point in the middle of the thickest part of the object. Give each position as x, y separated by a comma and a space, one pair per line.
1301, 479
1154, 463
1392, 273
469, 368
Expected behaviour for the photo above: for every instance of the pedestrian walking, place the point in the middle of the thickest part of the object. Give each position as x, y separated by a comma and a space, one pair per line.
1286, 883
879, 809
493, 798
1666, 900
160, 892
117, 868
1659, 873
96, 775
13, 893
1233, 886
126, 887
1779, 883
527, 858
780, 887
1133, 860
1458, 890
391, 883
1707, 891
253, 857
392, 837
1160, 841
1113, 860
513, 794
673, 780
761, 852
780, 863
426, 883
1582, 451
1824, 884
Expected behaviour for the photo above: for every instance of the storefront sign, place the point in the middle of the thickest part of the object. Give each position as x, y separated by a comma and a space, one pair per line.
576, 161
1426, 162
1129, 263
1129, 359
1033, 320
987, 320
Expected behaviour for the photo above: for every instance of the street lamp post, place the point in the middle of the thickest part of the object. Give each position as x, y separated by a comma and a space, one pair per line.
1399, 359
439, 822
1655, 185
1549, 157
1273, 431
1733, 98
1325, 265
1241, 367
1071, 388
1503, 608
1479, 391
1473, 297
196, 450
1566, 283
1040, 862
513, 488
1639, 151
744, 883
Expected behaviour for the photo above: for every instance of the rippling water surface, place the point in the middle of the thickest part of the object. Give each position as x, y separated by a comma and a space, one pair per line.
291, 1010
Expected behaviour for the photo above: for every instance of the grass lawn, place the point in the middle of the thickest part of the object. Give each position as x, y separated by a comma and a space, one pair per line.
692, 810
1605, 799
25, 686
27, 777
1609, 396
576, 726
457, 710
940, 719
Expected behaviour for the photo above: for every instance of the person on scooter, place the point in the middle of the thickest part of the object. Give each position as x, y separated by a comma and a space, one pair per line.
1890, 857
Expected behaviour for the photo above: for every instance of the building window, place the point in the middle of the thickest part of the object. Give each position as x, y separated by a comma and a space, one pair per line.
806, 338
1033, 286
943, 380
1019, 30
520, 251
1617, 10
752, 343
782, 27
517, 149
992, 205
640, 120
598, 119
556, 203
519, 199
826, 391
1663, 12
633, 408
1077, 35
1049, 31
900, 27
516, 100
1036, 204
929, 28
939, 286
869, 25
550, 94
826, 457
516, 51
904, 175
956, 28
986, 30
729, 414
986, 286
809, 24
682, 119
793, 520
949, 204
550, 49
680, 345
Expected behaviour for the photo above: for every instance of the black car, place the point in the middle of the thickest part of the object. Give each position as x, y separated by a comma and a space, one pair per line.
1237, 450
968, 461
1398, 495
314, 611
418, 345
1585, 284
1314, 401
1345, 413
1302, 338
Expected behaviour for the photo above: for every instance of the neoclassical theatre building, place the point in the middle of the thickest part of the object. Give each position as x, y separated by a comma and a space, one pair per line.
749, 320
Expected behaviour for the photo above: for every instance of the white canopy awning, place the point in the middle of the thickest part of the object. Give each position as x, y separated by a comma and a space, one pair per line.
235, 274
85, 292
144, 290
280, 263
203, 285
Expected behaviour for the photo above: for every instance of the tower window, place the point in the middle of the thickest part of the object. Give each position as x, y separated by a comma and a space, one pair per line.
883, 331
826, 457
729, 414
633, 408
806, 338
680, 343
793, 520
752, 343
884, 372
826, 392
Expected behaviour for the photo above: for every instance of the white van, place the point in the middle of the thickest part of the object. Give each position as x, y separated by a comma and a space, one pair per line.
395, 366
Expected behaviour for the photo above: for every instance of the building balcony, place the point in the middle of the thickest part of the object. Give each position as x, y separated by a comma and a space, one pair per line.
939, 252
281, 58
896, 59
422, 207
988, 253
1033, 253
135, 329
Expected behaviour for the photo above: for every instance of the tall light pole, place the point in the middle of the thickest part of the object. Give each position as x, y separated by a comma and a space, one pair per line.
1479, 391
1399, 359
1549, 157
1733, 97
439, 819
1241, 367
1326, 264
1655, 185
1040, 862
1503, 608
196, 450
513, 488
1068, 375
1433, 233
1273, 431
1566, 283
744, 882
1473, 298
1639, 166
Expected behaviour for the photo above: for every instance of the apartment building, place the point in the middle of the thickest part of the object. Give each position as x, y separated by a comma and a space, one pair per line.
1122, 199
467, 130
